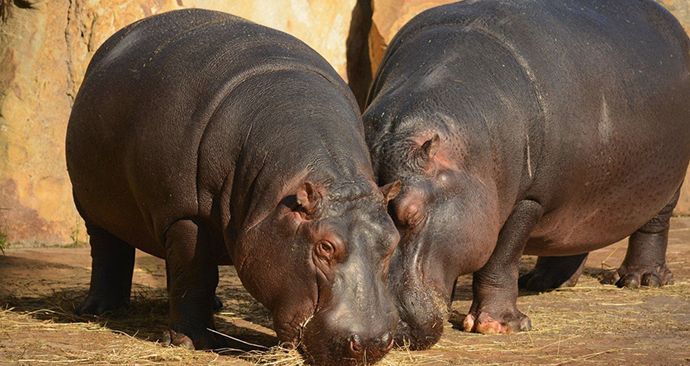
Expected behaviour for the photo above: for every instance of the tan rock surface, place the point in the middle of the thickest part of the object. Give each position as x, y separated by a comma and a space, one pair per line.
45, 46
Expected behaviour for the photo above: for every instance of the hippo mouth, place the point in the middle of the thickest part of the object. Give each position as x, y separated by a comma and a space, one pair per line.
338, 346
419, 337
423, 313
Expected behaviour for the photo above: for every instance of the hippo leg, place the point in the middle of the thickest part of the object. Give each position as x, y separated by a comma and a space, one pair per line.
192, 280
645, 260
112, 264
494, 286
553, 272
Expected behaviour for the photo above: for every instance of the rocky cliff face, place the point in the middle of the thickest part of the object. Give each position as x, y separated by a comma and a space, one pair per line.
45, 46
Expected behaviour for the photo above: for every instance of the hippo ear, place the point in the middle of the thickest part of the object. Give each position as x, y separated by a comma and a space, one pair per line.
391, 190
430, 147
308, 197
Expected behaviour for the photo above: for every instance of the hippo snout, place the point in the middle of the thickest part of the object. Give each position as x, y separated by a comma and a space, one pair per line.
356, 349
419, 337
365, 348
422, 316
335, 340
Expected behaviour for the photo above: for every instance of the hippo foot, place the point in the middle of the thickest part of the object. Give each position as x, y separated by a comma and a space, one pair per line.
540, 280
553, 272
172, 338
634, 277
485, 323
201, 340
101, 305
217, 304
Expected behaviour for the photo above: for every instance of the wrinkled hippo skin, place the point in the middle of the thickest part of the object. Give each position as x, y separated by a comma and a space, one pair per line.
550, 128
204, 139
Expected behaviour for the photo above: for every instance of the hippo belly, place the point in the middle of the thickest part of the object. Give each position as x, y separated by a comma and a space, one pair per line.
611, 199
613, 167
582, 228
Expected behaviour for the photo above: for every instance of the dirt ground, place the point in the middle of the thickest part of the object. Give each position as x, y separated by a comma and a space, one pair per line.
590, 324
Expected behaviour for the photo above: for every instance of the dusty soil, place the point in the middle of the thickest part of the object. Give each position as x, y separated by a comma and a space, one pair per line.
590, 324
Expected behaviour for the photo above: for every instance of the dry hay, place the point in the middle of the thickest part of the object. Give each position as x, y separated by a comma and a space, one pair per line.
278, 356
567, 320
117, 347
122, 348
589, 309
585, 325
608, 311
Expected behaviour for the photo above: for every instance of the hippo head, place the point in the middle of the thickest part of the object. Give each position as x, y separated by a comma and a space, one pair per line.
441, 214
319, 262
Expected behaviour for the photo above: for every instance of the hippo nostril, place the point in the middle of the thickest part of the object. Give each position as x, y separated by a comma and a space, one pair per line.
356, 344
387, 342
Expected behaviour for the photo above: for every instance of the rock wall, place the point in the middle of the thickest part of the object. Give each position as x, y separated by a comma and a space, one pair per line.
45, 46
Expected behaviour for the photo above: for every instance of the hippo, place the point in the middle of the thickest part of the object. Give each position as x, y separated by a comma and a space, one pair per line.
204, 139
548, 128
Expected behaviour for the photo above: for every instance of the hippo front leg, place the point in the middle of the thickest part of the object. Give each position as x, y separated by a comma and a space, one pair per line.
192, 280
495, 286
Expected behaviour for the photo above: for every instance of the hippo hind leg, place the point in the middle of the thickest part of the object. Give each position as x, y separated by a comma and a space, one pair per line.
112, 264
645, 260
553, 272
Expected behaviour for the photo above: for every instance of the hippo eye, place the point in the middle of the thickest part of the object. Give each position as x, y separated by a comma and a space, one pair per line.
325, 249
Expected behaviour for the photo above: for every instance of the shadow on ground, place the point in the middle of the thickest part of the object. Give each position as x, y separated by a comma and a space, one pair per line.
146, 318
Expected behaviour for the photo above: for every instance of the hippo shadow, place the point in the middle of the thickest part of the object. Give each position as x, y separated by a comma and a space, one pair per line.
463, 286
147, 316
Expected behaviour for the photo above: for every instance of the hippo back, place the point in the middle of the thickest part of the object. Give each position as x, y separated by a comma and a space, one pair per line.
142, 127
602, 103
